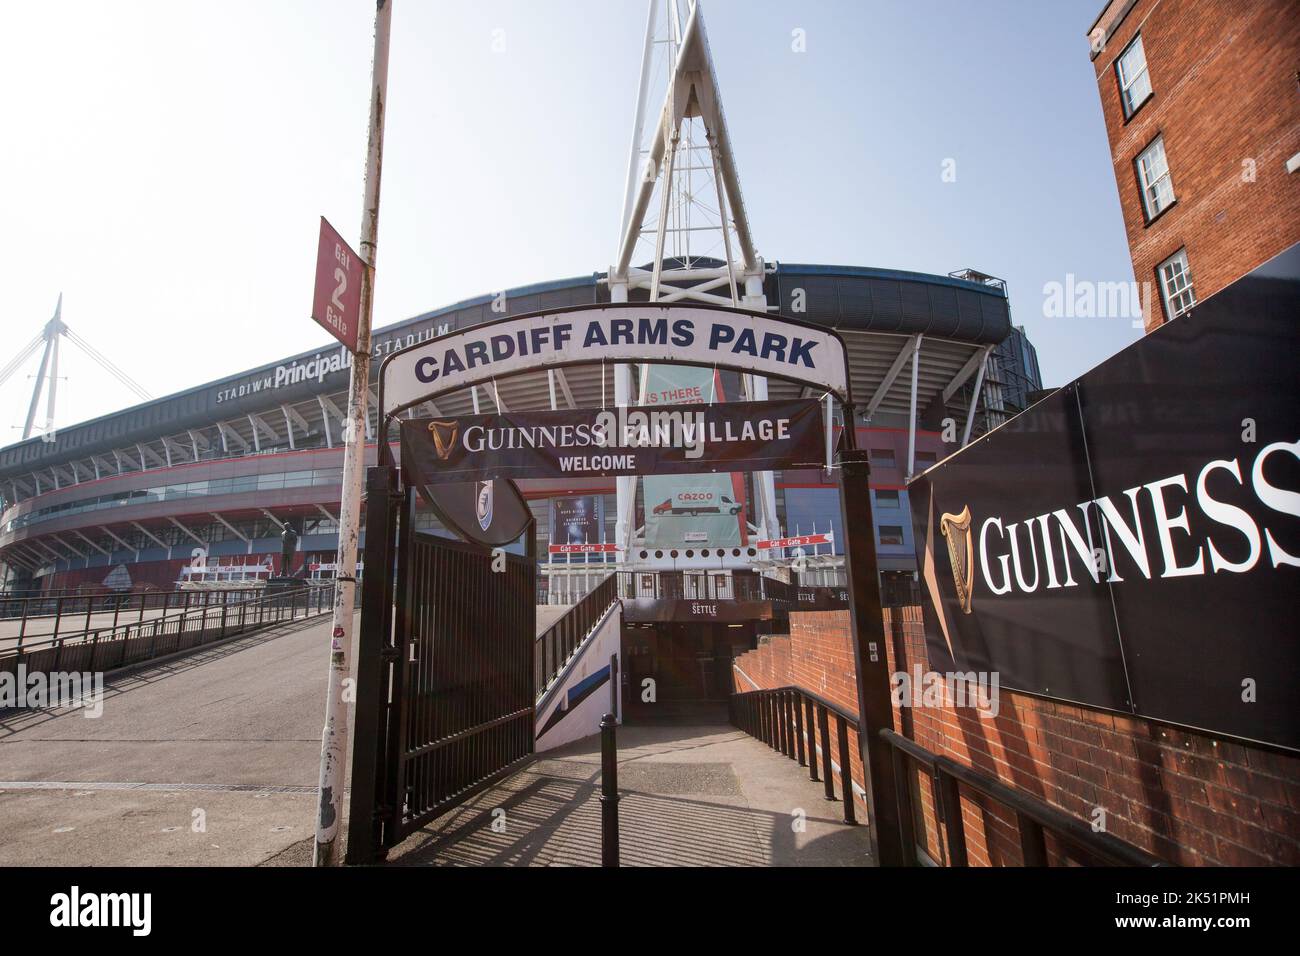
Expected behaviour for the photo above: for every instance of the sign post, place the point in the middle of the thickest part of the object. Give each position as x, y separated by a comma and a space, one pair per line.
334, 737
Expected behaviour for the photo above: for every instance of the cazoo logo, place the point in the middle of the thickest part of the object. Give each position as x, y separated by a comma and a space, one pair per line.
1046, 551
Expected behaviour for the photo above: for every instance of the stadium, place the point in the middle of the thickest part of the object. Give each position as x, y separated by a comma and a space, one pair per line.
196, 488
200, 490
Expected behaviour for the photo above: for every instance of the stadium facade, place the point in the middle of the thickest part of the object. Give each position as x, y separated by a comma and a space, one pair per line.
198, 485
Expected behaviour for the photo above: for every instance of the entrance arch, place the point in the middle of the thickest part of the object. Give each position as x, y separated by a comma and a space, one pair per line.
752, 343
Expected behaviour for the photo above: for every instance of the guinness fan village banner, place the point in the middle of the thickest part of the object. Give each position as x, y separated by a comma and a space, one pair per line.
675, 439
1132, 542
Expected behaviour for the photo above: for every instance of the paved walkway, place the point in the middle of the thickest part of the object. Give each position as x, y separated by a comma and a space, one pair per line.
212, 759
228, 737
691, 796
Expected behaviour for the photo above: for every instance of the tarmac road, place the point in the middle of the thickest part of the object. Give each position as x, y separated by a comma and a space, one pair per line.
211, 758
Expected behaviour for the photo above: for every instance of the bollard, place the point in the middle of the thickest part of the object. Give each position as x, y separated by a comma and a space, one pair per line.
608, 792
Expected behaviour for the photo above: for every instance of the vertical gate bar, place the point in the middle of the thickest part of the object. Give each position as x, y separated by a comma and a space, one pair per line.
364, 840
950, 805
401, 668
906, 814
870, 653
1033, 846
797, 701
846, 769
812, 739
824, 728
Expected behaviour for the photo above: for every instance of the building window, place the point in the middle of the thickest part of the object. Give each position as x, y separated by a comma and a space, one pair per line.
926, 458
883, 457
1153, 174
1134, 80
887, 498
891, 534
1176, 284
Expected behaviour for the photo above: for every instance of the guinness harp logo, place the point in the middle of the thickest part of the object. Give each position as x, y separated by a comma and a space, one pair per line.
961, 554
444, 437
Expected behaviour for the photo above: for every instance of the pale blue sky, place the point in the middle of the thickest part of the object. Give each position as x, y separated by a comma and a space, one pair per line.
164, 164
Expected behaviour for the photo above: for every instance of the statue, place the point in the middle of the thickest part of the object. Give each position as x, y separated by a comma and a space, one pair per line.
288, 545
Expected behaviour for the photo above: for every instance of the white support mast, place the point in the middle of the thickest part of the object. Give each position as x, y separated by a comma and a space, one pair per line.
698, 241
47, 376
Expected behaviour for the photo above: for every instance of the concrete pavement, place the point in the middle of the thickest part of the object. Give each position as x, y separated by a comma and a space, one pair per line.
212, 758
207, 759
691, 796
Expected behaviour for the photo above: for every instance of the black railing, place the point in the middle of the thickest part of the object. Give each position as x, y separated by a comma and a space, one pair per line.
133, 641
76, 613
1034, 818
797, 723
558, 643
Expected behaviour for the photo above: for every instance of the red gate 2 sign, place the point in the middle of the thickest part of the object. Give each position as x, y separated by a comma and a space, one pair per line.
337, 303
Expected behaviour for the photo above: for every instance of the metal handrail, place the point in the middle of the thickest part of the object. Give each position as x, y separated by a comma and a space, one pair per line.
1034, 817
777, 716
557, 645
231, 616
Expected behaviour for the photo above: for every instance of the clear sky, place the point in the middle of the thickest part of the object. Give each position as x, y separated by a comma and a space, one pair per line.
164, 164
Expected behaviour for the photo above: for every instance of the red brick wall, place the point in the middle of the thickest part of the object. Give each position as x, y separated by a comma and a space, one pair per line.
1223, 76
1186, 797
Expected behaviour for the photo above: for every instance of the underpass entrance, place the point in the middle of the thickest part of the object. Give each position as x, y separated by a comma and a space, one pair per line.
680, 670
445, 695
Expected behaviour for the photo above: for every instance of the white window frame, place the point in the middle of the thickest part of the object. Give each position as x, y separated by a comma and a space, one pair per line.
1133, 84
1176, 290
1151, 176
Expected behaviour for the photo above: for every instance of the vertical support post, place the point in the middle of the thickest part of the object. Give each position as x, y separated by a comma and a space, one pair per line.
875, 707
846, 770
364, 826
911, 420
608, 792
334, 737
613, 685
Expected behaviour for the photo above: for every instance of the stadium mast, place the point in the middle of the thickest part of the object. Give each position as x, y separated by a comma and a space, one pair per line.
54, 330
685, 159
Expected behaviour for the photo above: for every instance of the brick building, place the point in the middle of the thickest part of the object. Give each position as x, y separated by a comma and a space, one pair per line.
1202, 107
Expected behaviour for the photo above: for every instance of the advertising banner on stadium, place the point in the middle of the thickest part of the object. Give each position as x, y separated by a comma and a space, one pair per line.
679, 439
1132, 542
577, 521
702, 509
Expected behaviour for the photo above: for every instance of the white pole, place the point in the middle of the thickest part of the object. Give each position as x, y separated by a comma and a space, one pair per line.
334, 738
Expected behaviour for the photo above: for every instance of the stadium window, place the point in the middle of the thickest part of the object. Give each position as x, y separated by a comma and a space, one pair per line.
883, 457
1134, 80
891, 534
1176, 284
926, 458
887, 498
1153, 176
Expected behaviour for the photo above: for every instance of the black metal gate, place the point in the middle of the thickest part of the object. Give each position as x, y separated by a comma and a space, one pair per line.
445, 702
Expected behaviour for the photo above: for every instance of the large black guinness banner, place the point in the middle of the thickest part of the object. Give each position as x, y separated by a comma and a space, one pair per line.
663, 440
1133, 541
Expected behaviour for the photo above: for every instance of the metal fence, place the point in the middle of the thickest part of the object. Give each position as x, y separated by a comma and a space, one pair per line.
797, 723
1075, 840
70, 613
561, 640
133, 641
701, 585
